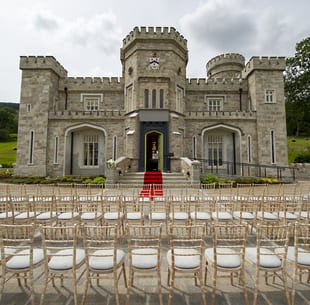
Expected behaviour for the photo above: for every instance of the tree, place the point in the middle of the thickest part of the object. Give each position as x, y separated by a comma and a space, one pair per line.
297, 89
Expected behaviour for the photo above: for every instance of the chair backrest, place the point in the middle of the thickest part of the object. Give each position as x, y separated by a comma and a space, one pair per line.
17, 239
146, 237
58, 238
229, 240
187, 241
302, 239
100, 237
272, 239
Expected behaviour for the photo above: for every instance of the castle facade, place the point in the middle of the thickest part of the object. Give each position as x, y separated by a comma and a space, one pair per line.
153, 115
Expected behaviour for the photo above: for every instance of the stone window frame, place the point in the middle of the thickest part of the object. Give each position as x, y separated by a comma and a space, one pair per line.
129, 97
180, 93
249, 149
222, 99
273, 154
146, 98
114, 148
95, 99
56, 150
270, 96
90, 151
194, 147
31, 147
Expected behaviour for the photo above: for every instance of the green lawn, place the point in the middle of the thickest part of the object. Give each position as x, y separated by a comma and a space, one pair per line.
296, 146
7, 151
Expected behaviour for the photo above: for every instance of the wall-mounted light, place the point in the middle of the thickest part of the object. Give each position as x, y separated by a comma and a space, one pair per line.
130, 131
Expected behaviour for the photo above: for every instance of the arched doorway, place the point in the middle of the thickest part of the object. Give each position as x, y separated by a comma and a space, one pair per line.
153, 151
85, 150
221, 148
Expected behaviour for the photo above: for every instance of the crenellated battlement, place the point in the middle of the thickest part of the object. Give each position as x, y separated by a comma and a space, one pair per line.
155, 33
226, 59
264, 63
213, 83
108, 83
42, 63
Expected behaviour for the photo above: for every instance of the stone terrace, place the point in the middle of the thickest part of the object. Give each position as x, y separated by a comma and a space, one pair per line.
145, 288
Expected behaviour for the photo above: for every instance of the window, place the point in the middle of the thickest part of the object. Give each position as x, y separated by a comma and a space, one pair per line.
31, 147
179, 101
215, 150
56, 149
91, 101
194, 148
161, 98
146, 98
129, 98
28, 107
249, 145
114, 148
154, 98
90, 150
91, 104
273, 147
270, 96
215, 104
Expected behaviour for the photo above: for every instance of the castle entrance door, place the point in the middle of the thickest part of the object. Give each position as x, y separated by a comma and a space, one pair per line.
153, 151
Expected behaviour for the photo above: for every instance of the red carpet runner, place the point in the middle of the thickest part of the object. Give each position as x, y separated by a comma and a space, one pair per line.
153, 185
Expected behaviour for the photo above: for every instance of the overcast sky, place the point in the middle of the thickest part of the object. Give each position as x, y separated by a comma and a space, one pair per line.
85, 36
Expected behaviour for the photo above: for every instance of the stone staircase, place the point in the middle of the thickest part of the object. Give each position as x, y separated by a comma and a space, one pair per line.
138, 178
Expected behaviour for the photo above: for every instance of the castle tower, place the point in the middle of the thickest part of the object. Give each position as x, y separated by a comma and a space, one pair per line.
225, 66
266, 93
39, 90
154, 66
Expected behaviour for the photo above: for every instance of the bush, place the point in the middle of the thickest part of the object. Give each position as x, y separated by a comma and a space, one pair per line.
209, 179
7, 165
303, 157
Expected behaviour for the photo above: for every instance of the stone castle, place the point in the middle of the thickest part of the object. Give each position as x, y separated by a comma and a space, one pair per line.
153, 116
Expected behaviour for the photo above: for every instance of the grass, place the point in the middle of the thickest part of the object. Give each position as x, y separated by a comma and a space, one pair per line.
296, 146
8, 151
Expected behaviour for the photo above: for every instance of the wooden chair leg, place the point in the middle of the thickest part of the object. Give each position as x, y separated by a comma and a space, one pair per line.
159, 287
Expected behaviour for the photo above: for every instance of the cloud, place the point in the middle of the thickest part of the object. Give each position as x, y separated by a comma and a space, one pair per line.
43, 21
220, 23
237, 26
101, 31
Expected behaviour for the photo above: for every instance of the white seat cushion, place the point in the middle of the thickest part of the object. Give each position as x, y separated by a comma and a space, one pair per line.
287, 215
46, 215
178, 215
200, 215
243, 215
144, 258
267, 260
158, 216
134, 215
104, 260
184, 258
303, 257
25, 215
68, 215
64, 259
8, 214
266, 215
222, 215
112, 215
304, 214
225, 260
90, 215
23, 261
